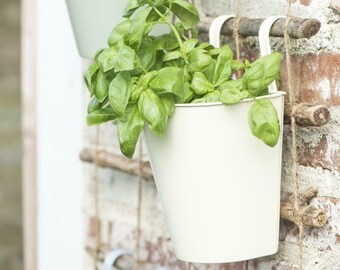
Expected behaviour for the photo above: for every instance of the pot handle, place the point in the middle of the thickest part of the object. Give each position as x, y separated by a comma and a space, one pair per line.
215, 29
264, 42
112, 257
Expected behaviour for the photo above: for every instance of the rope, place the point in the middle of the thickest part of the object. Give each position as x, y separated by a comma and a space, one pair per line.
96, 201
139, 207
236, 33
292, 101
238, 51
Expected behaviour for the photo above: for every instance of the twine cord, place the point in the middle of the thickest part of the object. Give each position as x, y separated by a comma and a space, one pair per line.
236, 33
292, 102
139, 205
96, 201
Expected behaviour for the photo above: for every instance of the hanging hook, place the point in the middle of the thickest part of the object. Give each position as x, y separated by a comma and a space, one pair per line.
112, 257
215, 29
264, 42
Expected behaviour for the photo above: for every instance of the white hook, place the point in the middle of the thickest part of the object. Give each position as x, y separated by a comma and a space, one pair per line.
264, 42
112, 257
215, 29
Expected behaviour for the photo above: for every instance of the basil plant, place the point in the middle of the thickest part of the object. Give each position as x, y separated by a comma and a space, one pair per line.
139, 78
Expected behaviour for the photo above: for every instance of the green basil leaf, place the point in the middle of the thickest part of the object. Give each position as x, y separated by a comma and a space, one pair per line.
119, 94
261, 73
199, 60
154, 17
233, 95
189, 45
129, 131
206, 46
223, 66
166, 42
138, 27
135, 93
119, 32
231, 85
214, 96
209, 72
95, 105
90, 77
200, 84
264, 122
199, 100
254, 79
172, 55
125, 58
272, 66
188, 94
147, 54
98, 53
178, 63
168, 80
215, 51
101, 88
106, 59
131, 7
169, 103
186, 12
153, 111
236, 65
145, 79
194, 32
186, 75
180, 28
100, 116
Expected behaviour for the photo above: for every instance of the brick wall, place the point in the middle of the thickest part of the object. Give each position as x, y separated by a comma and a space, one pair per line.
316, 64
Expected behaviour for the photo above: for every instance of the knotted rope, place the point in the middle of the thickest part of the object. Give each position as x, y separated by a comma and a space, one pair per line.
96, 201
236, 33
139, 205
292, 101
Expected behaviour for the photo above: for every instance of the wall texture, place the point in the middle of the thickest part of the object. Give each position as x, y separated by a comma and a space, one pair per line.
316, 64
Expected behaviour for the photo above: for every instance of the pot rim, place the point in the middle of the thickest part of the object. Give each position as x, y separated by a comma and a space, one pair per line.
210, 104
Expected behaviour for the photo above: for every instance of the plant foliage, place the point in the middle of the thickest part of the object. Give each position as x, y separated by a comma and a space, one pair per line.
139, 78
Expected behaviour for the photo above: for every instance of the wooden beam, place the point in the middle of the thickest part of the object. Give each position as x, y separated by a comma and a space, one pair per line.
297, 28
28, 112
308, 114
117, 162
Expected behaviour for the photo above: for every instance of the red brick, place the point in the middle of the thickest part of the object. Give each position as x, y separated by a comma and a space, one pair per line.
320, 155
305, 2
320, 79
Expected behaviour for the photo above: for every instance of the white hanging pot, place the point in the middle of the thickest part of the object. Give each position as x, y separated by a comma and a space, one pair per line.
220, 186
93, 21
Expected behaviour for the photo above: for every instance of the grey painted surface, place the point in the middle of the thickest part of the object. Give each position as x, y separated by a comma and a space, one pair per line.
10, 137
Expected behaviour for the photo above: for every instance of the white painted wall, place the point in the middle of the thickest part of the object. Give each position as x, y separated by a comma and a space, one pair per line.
59, 138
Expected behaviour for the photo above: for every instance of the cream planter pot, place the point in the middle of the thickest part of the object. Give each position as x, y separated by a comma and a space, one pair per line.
220, 186
93, 21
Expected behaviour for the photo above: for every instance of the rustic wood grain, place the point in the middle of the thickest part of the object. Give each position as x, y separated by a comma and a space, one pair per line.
297, 28
308, 114
309, 215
